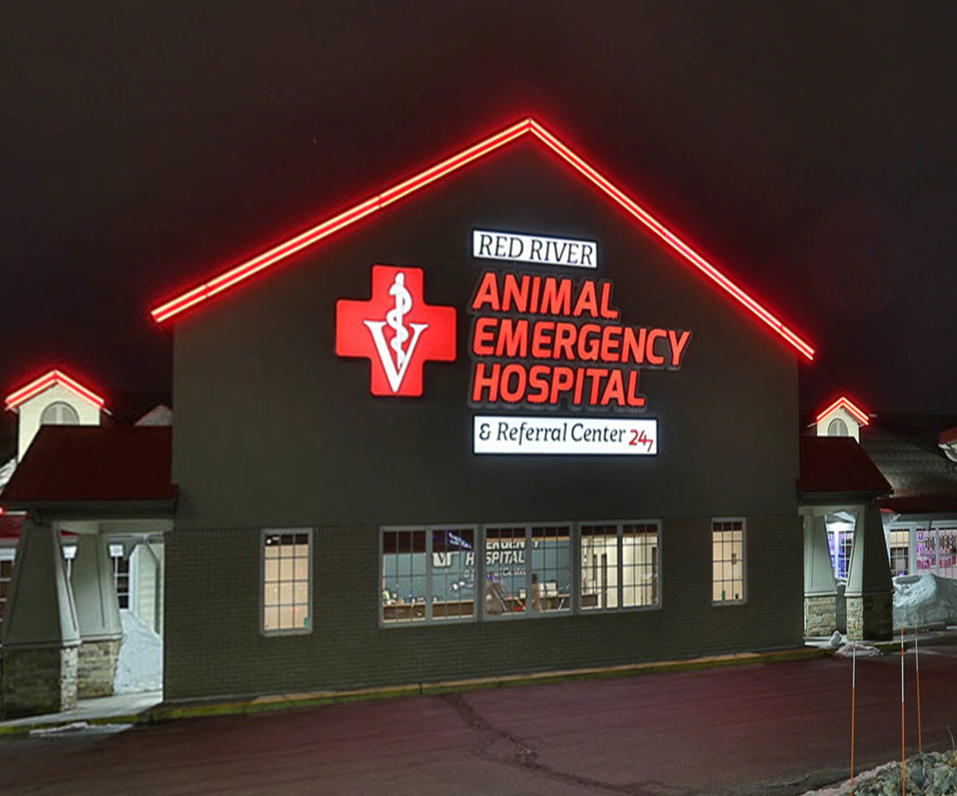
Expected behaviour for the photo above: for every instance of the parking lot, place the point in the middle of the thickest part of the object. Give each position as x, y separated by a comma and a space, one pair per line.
778, 728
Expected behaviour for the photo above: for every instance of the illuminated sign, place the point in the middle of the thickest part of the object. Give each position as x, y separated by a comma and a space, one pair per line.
395, 330
538, 341
490, 245
554, 341
565, 435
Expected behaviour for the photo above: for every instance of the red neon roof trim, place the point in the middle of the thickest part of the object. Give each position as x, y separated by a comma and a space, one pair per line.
53, 377
272, 256
845, 403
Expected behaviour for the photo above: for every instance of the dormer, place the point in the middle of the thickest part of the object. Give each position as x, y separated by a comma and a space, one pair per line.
842, 419
52, 399
948, 443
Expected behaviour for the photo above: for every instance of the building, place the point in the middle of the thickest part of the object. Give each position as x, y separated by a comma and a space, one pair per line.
898, 471
496, 419
84, 507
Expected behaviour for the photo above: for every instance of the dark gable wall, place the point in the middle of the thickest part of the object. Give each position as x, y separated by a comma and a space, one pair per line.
272, 429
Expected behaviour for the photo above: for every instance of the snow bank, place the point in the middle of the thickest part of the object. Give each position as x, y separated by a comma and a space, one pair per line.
140, 665
924, 600
856, 649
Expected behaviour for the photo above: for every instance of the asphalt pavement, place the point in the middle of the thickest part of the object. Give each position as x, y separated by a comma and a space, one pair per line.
778, 728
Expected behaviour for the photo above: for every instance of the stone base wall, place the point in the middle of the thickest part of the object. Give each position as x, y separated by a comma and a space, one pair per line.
820, 615
96, 668
37, 681
870, 617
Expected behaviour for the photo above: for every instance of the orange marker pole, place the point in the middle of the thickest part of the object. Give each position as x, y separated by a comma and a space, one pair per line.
903, 758
920, 740
853, 700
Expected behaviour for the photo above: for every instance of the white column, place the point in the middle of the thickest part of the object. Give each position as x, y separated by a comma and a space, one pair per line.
870, 590
98, 615
40, 632
820, 587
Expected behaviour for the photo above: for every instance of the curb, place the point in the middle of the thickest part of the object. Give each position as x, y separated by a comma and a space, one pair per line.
167, 712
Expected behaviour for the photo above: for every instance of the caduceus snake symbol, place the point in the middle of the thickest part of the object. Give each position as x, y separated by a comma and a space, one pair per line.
403, 303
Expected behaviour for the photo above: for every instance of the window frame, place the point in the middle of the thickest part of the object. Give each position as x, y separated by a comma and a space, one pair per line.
891, 547
60, 408
835, 430
529, 527
428, 618
291, 631
480, 536
121, 570
620, 608
744, 561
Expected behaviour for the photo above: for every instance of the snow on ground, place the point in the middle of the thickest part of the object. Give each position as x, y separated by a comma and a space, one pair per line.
856, 649
924, 600
140, 665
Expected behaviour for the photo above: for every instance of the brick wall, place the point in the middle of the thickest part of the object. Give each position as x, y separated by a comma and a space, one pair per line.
214, 646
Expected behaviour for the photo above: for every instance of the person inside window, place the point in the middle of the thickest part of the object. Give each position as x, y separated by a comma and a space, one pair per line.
536, 594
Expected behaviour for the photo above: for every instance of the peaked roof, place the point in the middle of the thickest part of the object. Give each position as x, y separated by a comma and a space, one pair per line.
906, 449
94, 464
845, 403
526, 127
44, 382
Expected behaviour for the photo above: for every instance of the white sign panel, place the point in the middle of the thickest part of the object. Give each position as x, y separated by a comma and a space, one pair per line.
490, 245
564, 435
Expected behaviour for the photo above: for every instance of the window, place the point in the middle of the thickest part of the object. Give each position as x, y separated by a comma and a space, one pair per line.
837, 428
428, 574
840, 540
899, 552
619, 566
59, 414
935, 551
443, 573
527, 570
727, 542
947, 552
841, 526
287, 581
121, 575
926, 551
6, 573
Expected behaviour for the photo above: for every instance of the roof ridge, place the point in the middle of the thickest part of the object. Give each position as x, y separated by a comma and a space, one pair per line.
527, 126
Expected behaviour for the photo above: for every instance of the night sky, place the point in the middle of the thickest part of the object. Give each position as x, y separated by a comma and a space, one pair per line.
809, 151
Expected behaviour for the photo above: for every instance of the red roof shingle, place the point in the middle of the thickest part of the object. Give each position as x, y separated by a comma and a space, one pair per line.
94, 464
838, 465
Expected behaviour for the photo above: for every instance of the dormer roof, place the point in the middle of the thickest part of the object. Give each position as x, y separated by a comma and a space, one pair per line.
847, 405
50, 379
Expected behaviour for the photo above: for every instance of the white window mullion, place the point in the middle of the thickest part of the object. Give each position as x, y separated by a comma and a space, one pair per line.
428, 574
620, 566
575, 554
479, 576
529, 551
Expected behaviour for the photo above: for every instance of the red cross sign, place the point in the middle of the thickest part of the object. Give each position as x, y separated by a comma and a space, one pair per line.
395, 330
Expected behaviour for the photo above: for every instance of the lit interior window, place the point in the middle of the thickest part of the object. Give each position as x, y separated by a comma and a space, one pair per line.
287, 571
619, 566
727, 540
